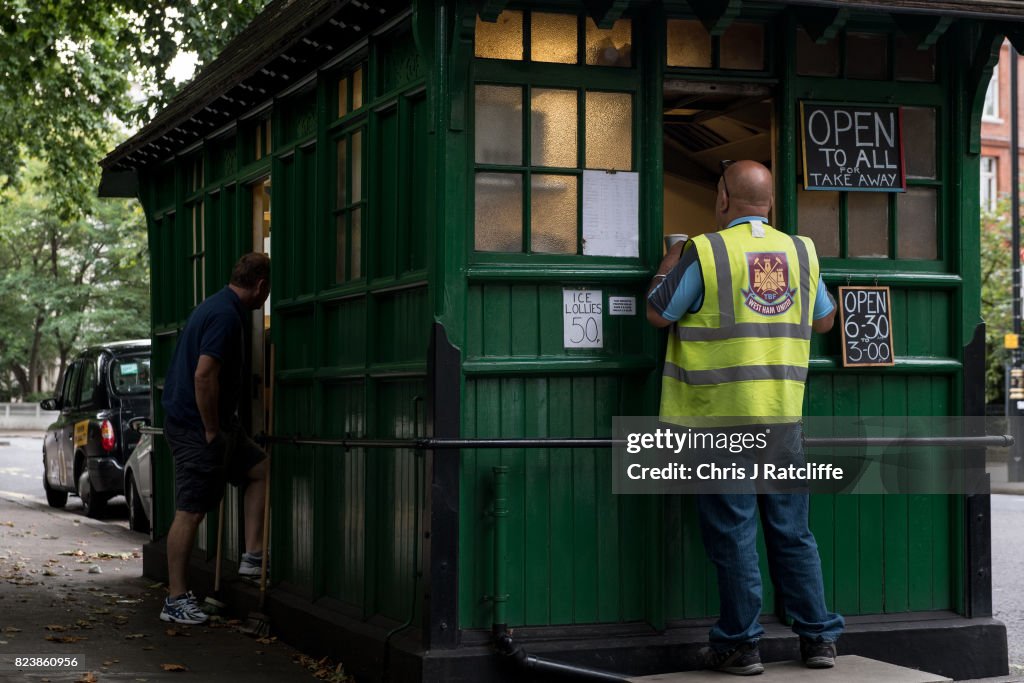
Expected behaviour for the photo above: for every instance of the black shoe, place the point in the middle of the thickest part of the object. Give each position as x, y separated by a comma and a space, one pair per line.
742, 660
817, 654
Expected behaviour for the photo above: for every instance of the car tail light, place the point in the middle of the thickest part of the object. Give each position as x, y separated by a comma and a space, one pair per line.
107, 434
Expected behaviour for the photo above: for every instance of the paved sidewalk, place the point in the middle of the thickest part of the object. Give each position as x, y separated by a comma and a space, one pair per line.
70, 586
998, 477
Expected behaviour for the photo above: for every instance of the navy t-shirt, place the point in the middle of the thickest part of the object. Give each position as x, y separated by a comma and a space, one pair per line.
214, 329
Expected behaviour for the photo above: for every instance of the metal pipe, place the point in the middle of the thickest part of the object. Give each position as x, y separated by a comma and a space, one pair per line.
995, 441
500, 596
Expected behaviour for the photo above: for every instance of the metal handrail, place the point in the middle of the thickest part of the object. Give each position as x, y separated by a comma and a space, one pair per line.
441, 443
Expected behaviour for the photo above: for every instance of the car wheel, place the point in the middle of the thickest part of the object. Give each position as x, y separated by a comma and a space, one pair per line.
93, 504
55, 499
136, 514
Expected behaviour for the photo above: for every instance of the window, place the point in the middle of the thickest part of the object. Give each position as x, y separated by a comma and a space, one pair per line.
351, 93
989, 168
990, 111
198, 218
130, 375
350, 203
87, 383
532, 142
740, 47
67, 392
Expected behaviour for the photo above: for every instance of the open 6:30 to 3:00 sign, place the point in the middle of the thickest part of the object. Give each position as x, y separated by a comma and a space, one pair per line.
866, 325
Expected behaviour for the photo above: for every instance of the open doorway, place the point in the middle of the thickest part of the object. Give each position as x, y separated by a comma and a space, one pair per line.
262, 398
705, 123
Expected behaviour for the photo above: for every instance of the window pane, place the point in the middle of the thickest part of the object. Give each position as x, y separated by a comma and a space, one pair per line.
689, 44
357, 244
612, 47
342, 97
911, 64
816, 60
88, 387
553, 38
919, 141
499, 125
609, 130
867, 224
916, 232
356, 166
357, 89
342, 192
553, 214
818, 218
498, 224
867, 56
553, 127
341, 241
502, 39
743, 47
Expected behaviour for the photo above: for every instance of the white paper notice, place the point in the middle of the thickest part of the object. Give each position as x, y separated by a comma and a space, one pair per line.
582, 321
622, 305
611, 213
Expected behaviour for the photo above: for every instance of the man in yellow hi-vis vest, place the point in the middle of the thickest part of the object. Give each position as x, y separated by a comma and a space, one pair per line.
742, 303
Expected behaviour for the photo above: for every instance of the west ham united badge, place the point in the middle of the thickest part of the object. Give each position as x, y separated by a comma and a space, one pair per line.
769, 292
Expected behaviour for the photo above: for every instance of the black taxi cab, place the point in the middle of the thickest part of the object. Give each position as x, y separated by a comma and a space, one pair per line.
85, 450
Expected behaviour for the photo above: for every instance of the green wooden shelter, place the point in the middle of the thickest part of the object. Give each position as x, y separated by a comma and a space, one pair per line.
431, 180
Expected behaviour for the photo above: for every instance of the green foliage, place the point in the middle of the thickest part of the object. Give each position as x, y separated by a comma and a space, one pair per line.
996, 295
76, 73
66, 283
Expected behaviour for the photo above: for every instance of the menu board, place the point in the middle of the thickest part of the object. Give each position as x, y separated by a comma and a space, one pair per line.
850, 147
866, 320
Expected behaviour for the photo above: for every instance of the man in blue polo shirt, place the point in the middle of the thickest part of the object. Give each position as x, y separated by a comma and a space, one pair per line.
201, 402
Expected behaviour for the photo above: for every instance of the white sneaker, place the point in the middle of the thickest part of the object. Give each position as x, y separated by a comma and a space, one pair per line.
250, 565
183, 610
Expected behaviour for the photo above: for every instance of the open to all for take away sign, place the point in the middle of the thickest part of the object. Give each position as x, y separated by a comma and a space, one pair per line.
852, 147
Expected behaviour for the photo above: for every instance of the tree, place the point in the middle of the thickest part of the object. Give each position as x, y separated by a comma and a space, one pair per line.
996, 295
67, 283
71, 71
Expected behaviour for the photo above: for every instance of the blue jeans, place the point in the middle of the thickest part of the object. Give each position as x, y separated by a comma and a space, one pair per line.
728, 525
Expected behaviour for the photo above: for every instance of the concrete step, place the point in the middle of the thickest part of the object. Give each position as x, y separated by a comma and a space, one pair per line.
848, 669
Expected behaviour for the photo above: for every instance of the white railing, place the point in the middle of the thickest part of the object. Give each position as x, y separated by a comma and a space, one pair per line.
27, 416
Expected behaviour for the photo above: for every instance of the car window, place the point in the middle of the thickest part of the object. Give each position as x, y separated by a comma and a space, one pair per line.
88, 383
70, 380
129, 376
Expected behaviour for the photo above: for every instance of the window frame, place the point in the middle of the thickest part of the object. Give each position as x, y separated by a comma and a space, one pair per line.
581, 78
992, 97
989, 178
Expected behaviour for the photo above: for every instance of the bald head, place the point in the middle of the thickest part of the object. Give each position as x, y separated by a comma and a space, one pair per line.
745, 190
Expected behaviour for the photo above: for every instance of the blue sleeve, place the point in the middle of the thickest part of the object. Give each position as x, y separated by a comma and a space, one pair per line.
220, 335
681, 291
823, 302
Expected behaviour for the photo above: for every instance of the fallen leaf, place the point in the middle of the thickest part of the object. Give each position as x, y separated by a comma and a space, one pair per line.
88, 677
149, 647
65, 639
174, 633
173, 667
134, 636
75, 553
55, 627
10, 524
11, 629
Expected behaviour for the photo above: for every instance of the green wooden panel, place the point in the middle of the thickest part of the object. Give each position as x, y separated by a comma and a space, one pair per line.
526, 321
400, 63
412, 247
402, 326
293, 489
575, 550
294, 329
344, 333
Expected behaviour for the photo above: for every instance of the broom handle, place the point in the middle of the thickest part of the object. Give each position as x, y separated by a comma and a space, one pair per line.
220, 547
269, 428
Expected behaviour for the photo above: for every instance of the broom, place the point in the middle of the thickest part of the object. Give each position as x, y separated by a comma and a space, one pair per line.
257, 624
213, 605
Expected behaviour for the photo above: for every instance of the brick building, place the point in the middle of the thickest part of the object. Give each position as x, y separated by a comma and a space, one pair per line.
995, 131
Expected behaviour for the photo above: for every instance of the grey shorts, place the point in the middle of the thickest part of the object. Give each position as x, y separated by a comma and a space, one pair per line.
201, 469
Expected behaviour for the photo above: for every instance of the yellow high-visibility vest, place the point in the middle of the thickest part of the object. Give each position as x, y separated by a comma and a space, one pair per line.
745, 352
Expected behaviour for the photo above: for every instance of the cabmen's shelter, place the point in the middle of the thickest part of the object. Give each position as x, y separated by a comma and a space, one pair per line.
464, 203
